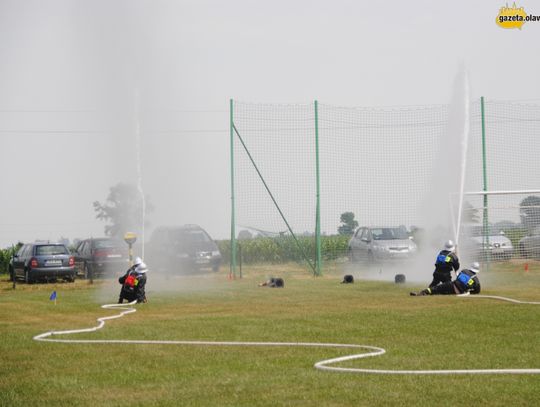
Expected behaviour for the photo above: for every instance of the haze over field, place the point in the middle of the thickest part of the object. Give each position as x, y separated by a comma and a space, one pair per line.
78, 77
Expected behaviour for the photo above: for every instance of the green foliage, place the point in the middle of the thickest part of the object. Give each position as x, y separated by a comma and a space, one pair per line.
245, 234
334, 247
284, 249
348, 224
6, 255
123, 208
515, 235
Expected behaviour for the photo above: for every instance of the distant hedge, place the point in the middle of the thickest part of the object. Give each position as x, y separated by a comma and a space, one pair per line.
5, 256
515, 235
284, 249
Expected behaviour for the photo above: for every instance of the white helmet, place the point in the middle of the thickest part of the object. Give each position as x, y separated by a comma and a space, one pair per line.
475, 267
141, 268
449, 245
137, 261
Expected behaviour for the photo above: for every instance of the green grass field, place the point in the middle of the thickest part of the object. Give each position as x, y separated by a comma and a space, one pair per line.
417, 333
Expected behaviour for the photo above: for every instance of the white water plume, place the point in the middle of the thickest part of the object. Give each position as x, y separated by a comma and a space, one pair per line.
139, 167
440, 211
464, 147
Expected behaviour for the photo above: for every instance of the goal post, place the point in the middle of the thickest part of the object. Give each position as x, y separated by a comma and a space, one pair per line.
502, 190
296, 168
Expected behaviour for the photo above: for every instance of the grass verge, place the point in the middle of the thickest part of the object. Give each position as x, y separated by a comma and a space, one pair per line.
417, 333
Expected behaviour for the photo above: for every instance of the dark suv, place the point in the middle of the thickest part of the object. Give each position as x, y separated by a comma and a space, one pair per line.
42, 261
99, 256
184, 248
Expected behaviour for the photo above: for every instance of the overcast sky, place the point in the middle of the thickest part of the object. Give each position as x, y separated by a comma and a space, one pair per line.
70, 72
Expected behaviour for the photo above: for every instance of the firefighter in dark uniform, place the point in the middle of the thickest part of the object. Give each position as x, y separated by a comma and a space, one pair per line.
466, 283
447, 260
133, 283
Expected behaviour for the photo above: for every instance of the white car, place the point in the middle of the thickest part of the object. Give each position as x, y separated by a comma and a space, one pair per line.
476, 244
384, 243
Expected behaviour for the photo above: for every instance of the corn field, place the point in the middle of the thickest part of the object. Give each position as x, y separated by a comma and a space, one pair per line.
284, 249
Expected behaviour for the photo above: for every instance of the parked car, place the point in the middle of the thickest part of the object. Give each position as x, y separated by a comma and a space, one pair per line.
186, 248
96, 257
42, 261
372, 244
496, 244
529, 246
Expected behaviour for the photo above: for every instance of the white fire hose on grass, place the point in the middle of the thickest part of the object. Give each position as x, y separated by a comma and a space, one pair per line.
495, 297
322, 365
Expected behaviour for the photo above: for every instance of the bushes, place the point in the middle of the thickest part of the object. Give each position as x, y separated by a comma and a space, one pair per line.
5, 256
515, 235
284, 249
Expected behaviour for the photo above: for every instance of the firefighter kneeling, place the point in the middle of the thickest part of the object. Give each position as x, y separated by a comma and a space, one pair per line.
133, 283
466, 283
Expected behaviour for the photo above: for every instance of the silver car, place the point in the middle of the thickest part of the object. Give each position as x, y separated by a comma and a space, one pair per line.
476, 244
529, 246
370, 244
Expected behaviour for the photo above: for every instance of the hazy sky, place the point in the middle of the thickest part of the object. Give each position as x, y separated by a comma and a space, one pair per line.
70, 70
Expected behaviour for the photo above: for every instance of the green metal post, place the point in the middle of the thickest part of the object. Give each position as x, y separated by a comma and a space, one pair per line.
485, 239
14, 281
318, 206
232, 270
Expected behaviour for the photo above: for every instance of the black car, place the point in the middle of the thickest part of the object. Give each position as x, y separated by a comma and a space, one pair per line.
96, 257
42, 262
182, 249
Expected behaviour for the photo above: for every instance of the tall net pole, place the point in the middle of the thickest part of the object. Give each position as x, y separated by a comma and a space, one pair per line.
232, 270
485, 218
318, 205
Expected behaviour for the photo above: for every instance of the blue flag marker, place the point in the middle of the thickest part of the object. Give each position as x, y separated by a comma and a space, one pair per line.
53, 297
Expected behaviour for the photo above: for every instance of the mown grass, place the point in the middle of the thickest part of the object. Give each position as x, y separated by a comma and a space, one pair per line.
417, 333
